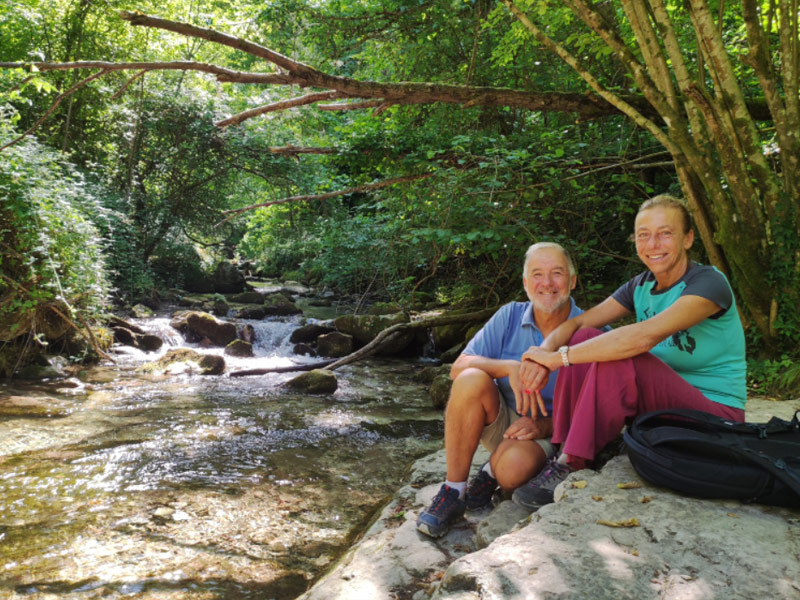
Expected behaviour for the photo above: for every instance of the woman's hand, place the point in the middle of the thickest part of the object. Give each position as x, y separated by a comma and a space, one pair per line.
529, 400
526, 428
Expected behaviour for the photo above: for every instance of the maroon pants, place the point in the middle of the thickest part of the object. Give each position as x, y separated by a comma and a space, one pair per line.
592, 401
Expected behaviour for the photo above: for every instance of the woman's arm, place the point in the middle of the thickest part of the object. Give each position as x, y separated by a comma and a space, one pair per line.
631, 340
532, 377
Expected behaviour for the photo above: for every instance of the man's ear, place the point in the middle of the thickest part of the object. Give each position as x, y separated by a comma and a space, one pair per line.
573, 282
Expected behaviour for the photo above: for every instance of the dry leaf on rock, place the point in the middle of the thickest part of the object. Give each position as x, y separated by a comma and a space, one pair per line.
629, 485
633, 522
579, 484
597, 498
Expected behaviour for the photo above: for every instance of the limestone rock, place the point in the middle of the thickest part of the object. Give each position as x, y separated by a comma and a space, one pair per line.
185, 360
248, 298
239, 348
682, 547
199, 325
447, 336
309, 333
212, 364
252, 312
439, 391
318, 381
279, 304
140, 311
149, 342
304, 349
334, 344
364, 328
228, 279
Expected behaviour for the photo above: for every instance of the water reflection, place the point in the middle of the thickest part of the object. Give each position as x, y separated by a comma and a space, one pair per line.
194, 487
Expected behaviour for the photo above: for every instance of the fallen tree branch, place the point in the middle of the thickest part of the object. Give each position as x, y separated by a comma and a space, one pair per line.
384, 337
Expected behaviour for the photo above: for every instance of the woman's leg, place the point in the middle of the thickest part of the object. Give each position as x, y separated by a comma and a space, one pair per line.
614, 391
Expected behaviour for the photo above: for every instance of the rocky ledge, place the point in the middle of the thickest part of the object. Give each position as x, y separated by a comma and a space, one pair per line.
598, 540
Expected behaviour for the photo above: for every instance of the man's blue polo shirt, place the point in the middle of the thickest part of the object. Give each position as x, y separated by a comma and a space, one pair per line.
507, 335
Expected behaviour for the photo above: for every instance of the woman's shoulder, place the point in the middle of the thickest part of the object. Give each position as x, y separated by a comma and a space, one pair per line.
709, 282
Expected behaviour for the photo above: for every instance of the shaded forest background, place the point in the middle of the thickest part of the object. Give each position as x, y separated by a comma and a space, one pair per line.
128, 182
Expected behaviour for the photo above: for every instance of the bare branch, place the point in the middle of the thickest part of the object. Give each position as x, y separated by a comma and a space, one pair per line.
276, 106
304, 198
351, 105
127, 84
294, 150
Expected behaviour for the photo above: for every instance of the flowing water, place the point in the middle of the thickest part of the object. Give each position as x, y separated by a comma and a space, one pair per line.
117, 484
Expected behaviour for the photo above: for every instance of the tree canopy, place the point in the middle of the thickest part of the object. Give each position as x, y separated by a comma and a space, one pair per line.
392, 143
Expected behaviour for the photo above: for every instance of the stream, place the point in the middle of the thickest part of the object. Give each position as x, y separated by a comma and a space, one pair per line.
119, 484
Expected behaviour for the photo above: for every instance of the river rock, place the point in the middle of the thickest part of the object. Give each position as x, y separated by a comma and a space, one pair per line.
439, 391
451, 354
318, 381
186, 360
228, 279
239, 348
114, 321
280, 304
447, 336
364, 328
250, 297
334, 344
384, 308
220, 308
199, 325
140, 311
247, 333
255, 313
309, 333
304, 349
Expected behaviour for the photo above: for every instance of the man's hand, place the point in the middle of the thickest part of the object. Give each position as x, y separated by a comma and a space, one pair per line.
526, 428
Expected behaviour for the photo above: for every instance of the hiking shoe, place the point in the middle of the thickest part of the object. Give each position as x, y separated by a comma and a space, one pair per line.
480, 491
539, 490
444, 509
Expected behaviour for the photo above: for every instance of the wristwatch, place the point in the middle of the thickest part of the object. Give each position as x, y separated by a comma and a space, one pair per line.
563, 352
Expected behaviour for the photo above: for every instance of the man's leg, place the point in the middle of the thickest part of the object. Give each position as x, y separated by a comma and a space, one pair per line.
474, 403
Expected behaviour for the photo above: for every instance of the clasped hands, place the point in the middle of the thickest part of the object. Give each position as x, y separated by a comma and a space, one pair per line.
528, 380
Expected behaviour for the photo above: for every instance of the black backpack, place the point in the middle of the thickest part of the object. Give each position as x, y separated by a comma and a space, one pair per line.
706, 456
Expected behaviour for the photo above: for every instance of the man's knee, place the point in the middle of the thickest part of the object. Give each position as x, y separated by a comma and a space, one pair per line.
473, 388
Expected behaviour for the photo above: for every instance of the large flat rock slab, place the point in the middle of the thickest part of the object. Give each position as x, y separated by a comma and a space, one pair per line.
673, 547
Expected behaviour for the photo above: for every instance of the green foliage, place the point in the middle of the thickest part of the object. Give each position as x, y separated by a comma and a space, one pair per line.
51, 250
774, 376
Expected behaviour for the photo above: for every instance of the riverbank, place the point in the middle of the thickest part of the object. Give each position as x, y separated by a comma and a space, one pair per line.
683, 548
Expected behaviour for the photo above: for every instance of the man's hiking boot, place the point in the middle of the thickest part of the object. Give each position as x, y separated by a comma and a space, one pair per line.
444, 509
539, 490
480, 491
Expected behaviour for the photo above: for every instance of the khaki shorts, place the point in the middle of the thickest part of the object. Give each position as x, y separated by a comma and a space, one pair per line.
493, 433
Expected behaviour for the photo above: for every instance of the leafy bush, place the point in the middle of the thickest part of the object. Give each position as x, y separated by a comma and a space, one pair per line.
51, 250
774, 376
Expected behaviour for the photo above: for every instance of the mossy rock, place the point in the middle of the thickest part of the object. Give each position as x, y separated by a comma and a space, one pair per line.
140, 311
204, 364
309, 333
334, 344
384, 308
239, 348
203, 325
318, 381
248, 298
439, 391
280, 304
364, 328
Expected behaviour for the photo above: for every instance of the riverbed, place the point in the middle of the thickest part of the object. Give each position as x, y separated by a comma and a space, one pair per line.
120, 484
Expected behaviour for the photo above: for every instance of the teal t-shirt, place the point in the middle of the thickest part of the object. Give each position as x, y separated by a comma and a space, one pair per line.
710, 355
